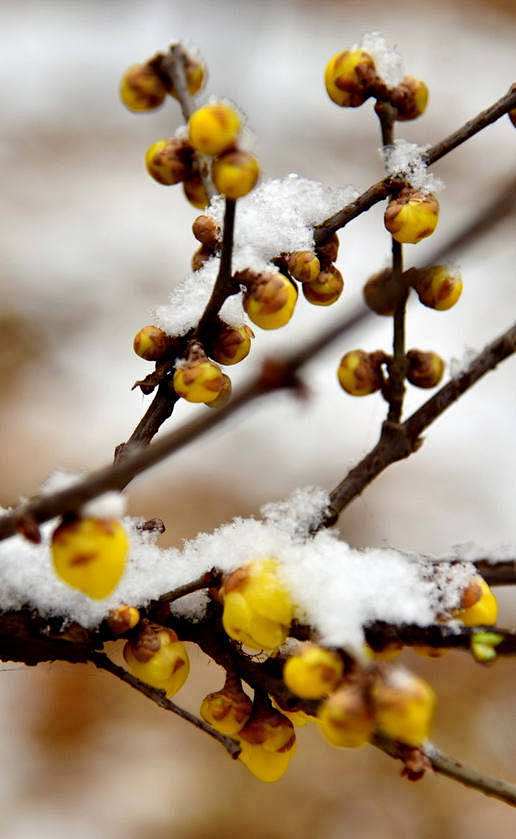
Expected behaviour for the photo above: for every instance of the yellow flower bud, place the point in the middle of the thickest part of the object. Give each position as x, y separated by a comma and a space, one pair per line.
297, 718
195, 192
348, 76
90, 554
424, 369
359, 373
478, 605
229, 709
141, 89
270, 729
235, 173
199, 381
200, 257
207, 232
270, 300
326, 289
329, 249
304, 266
158, 658
411, 216
169, 161
437, 287
344, 718
266, 766
410, 98
313, 672
232, 344
214, 128
151, 343
381, 294
123, 619
403, 706
388, 653
258, 609
195, 75
224, 395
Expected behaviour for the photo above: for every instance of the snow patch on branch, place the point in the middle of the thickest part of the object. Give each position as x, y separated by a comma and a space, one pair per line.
277, 217
406, 160
336, 589
388, 61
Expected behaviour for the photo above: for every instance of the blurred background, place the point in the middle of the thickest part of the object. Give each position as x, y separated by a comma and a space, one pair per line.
90, 246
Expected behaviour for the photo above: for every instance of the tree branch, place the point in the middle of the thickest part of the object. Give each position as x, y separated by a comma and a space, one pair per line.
173, 65
451, 768
389, 186
225, 285
399, 441
102, 662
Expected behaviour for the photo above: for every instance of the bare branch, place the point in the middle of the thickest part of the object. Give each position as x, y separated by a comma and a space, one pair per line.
399, 441
389, 186
452, 768
159, 698
225, 285
173, 65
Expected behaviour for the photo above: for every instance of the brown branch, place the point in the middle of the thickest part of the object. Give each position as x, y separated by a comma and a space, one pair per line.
208, 580
395, 388
451, 768
161, 407
173, 65
159, 698
500, 573
380, 635
389, 186
225, 285
115, 477
398, 441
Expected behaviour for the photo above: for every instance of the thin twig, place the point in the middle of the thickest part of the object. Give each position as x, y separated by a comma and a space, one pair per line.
225, 285
452, 768
395, 390
399, 441
174, 66
389, 186
159, 698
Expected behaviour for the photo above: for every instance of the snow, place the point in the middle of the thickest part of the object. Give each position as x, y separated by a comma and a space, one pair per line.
335, 588
457, 365
407, 159
471, 551
277, 217
388, 61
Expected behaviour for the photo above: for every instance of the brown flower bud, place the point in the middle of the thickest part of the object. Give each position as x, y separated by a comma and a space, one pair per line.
437, 287
170, 161
195, 192
410, 98
512, 116
123, 619
151, 343
304, 266
326, 289
424, 369
381, 294
359, 372
201, 256
206, 231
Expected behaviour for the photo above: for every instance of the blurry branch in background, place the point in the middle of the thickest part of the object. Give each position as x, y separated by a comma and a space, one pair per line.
397, 441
